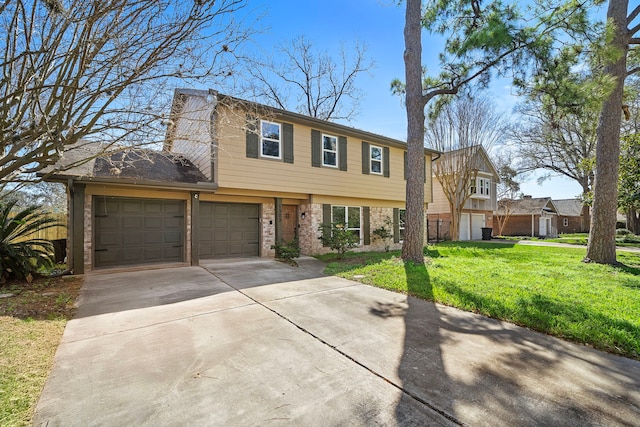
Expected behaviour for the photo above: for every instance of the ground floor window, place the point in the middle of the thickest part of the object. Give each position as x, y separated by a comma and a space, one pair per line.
401, 216
565, 222
349, 216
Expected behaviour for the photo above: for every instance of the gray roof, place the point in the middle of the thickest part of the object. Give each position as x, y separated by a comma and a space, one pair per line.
127, 165
569, 207
147, 165
532, 206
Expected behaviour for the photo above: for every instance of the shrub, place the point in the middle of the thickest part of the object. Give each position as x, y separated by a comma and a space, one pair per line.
287, 250
385, 235
338, 238
631, 238
622, 232
21, 254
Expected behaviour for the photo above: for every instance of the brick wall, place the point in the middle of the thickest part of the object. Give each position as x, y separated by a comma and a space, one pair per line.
574, 225
519, 225
268, 222
308, 232
88, 226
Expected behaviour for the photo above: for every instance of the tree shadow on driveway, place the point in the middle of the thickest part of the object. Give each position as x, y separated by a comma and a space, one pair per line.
473, 370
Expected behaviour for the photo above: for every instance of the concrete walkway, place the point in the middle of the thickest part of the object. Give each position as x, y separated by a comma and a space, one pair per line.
259, 343
556, 244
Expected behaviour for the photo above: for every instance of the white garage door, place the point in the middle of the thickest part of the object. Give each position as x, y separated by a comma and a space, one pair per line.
464, 227
477, 222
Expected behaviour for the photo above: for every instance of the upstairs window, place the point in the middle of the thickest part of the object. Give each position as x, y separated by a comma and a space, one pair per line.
481, 187
330, 151
270, 139
375, 156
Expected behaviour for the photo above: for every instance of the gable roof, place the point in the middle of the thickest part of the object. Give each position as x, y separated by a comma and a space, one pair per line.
479, 151
569, 207
282, 115
532, 206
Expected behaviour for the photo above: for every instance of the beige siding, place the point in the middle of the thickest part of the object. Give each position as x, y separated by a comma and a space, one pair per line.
440, 203
192, 134
236, 171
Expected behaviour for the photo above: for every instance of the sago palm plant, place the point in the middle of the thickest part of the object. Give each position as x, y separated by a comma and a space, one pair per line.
21, 253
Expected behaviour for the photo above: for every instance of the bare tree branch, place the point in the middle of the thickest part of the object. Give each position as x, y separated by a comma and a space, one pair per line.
100, 71
309, 82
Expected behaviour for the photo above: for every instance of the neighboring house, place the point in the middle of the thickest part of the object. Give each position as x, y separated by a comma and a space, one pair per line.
535, 217
570, 219
234, 178
478, 210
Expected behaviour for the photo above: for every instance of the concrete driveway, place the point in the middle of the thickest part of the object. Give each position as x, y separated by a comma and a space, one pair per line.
258, 343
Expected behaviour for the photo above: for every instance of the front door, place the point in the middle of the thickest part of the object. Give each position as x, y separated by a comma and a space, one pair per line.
545, 224
289, 222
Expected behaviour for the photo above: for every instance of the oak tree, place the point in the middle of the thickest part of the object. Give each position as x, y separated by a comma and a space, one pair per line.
80, 70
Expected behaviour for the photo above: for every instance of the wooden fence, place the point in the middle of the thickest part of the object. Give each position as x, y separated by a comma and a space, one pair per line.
51, 233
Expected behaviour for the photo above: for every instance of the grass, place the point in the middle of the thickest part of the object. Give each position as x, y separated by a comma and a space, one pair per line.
582, 238
32, 320
547, 289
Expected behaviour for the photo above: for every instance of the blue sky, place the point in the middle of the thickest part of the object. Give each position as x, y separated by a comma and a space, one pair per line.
379, 24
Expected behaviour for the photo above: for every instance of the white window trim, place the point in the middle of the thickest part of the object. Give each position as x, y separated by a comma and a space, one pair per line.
346, 219
480, 188
400, 224
371, 160
330, 151
263, 138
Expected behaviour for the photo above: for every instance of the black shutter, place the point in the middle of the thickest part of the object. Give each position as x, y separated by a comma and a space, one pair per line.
287, 142
365, 225
253, 142
366, 158
396, 225
385, 161
316, 149
326, 217
342, 153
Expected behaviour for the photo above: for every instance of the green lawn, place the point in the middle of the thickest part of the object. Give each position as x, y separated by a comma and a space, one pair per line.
544, 288
629, 240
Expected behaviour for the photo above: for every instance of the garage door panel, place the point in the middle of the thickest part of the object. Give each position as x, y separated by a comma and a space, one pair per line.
131, 238
174, 238
138, 231
107, 222
153, 222
132, 222
221, 222
132, 207
106, 258
173, 222
228, 229
220, 236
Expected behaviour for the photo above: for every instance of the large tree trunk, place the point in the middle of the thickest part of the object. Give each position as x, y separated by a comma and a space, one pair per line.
602, 234
633, 221
412, 248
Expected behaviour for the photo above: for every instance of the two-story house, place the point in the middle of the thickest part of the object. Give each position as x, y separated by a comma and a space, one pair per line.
478, 209
233, 178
